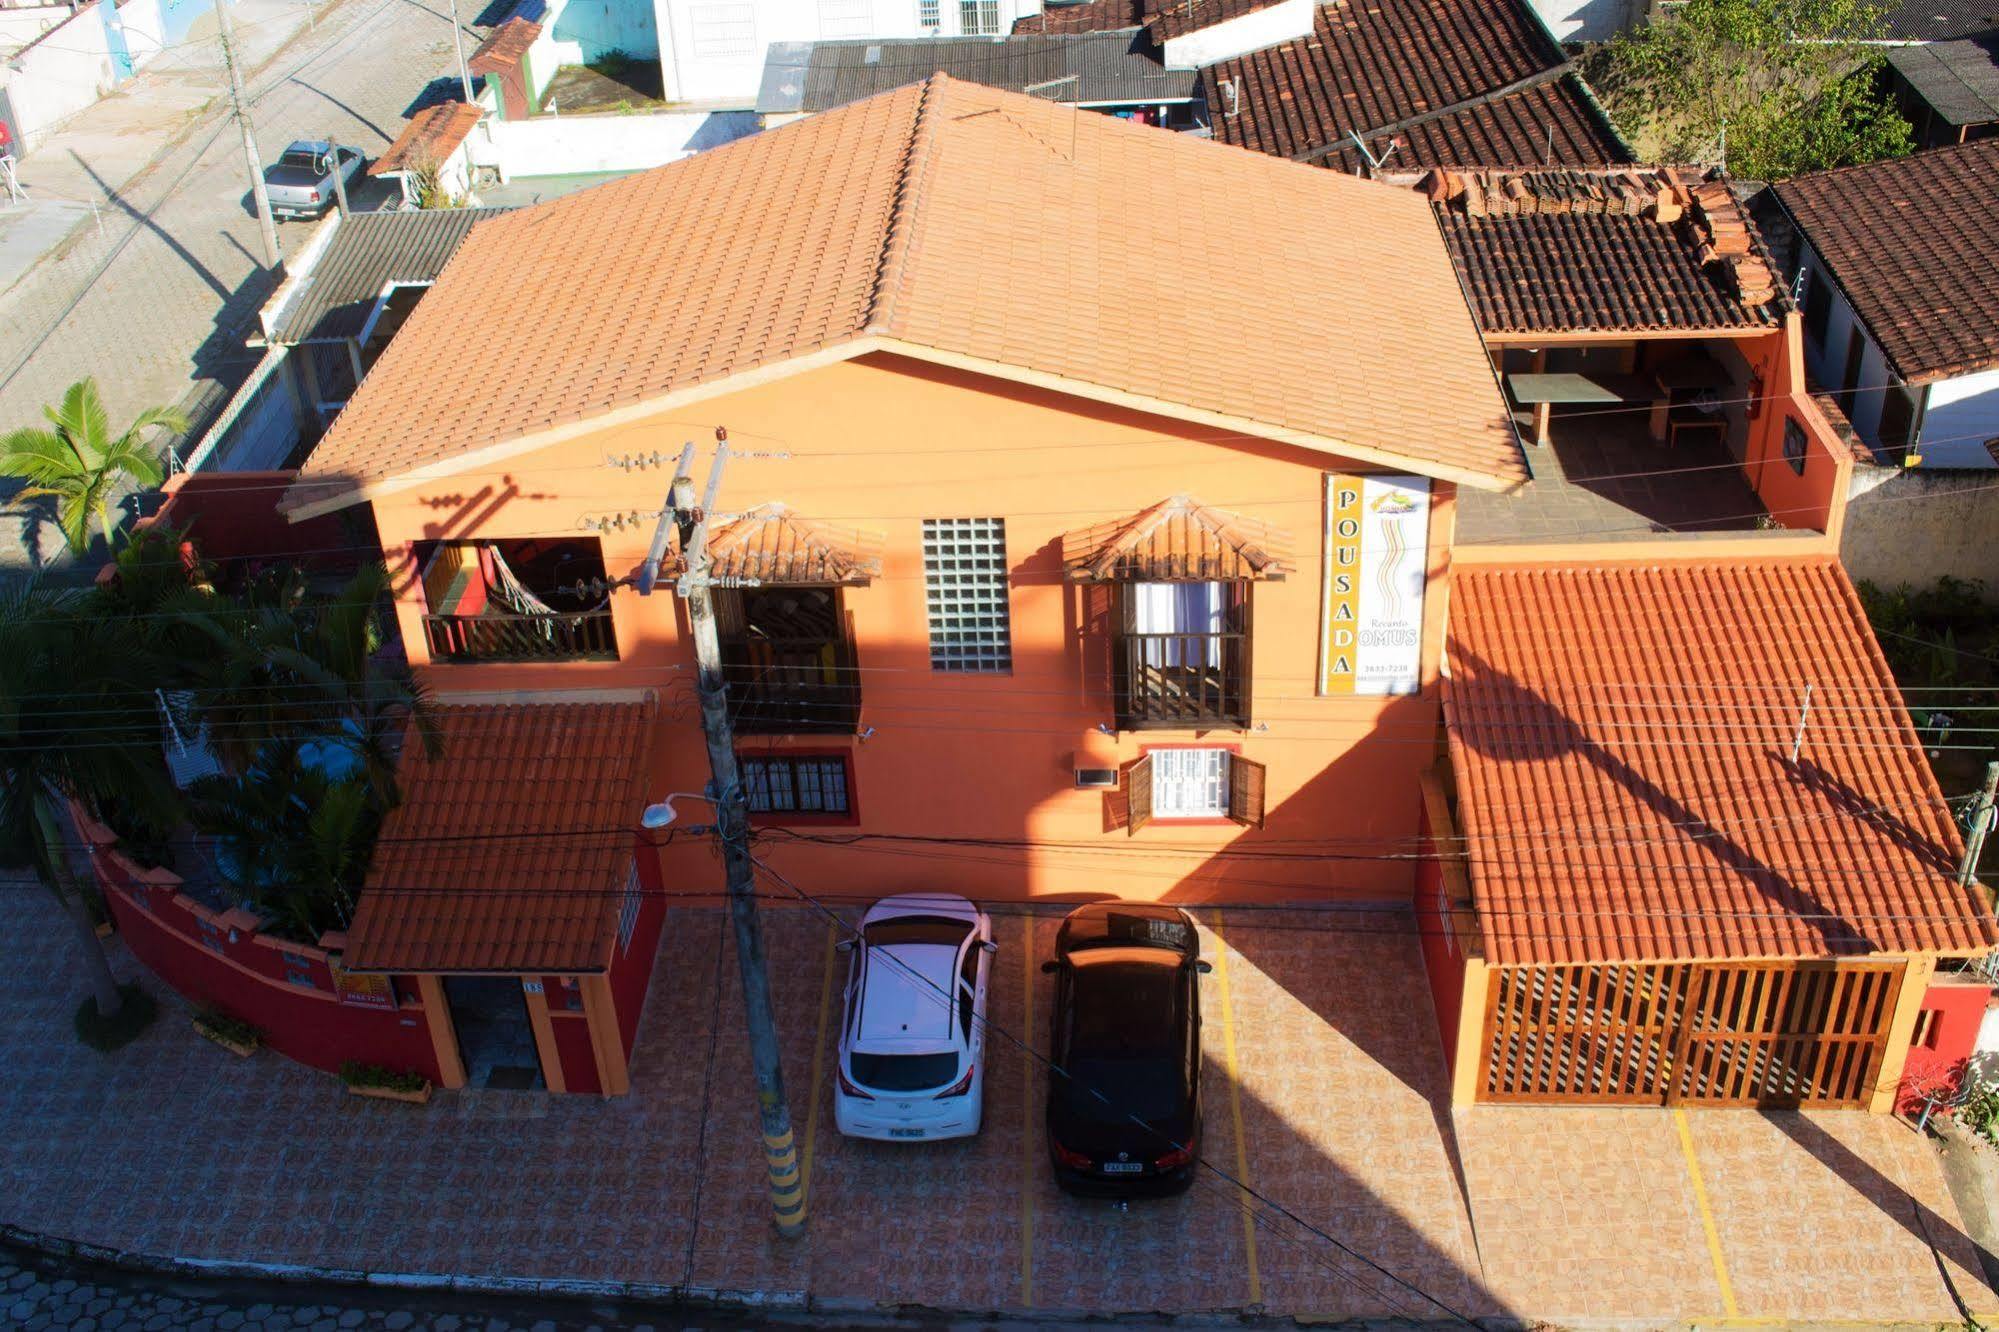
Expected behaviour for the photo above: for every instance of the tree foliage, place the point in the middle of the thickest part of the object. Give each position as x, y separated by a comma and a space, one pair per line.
1786, 86
81, 464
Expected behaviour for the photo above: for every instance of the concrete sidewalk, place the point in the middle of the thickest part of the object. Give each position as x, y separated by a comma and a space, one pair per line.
76, 178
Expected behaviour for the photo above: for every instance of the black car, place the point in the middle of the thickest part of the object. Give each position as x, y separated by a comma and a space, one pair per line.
1124, 1097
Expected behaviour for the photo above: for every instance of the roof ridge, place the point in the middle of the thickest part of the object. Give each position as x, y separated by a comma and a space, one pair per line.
900, 228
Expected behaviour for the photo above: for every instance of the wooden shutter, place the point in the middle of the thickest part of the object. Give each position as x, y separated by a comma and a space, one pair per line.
1246, 791
1138, 795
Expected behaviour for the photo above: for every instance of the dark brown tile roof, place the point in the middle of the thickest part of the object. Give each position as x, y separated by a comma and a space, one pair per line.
504, 46
1091, 16
510, 850
434, 133
1461, 82
1178, 539
1604, 251
1914, 245
771, 544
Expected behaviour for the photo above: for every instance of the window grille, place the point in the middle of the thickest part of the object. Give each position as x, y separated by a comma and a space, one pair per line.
964, 583
795, 785
1190, 783
978, 18
723, 32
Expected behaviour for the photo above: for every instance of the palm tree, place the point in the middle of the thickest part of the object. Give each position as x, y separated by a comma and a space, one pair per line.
76, 724
81, 464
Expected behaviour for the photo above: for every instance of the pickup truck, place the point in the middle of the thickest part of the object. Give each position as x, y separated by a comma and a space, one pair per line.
300, 183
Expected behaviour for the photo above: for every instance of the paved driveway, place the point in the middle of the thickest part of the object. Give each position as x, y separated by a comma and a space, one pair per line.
1379, 1199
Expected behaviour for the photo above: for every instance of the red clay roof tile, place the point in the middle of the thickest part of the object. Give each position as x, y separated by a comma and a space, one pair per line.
433, 134
1622, 736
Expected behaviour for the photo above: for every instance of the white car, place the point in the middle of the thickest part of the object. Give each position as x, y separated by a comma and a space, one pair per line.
912, 1042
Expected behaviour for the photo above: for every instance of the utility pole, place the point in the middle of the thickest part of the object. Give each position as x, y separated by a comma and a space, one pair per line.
273, 256
1981, 823
458, 40
339, 173
732, 816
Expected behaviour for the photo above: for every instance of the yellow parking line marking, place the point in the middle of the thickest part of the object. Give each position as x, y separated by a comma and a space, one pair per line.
1235, 1111
1707, 1214
1027, 1174
818, 1065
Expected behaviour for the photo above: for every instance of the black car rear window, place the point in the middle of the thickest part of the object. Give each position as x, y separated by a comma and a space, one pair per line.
904, 1073
917, 930
1112, 1091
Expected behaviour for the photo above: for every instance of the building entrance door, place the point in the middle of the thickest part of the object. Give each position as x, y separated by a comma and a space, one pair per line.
495, 1038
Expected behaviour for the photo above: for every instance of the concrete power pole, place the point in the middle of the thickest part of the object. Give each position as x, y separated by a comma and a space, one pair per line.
732, 816
273, 256
1981, 823
458, 40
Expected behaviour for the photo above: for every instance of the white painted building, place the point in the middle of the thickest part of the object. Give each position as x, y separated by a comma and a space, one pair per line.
1898, 268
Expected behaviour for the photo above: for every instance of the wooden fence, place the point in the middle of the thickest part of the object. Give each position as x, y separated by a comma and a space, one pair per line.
1777, 1034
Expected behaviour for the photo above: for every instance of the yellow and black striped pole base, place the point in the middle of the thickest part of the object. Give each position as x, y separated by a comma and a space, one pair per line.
787, 1184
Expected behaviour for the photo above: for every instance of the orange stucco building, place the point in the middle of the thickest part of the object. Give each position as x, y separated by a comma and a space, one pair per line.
1091, 529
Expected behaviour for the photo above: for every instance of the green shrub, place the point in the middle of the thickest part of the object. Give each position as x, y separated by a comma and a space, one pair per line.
357, 1074
123, 1027
1980, 1114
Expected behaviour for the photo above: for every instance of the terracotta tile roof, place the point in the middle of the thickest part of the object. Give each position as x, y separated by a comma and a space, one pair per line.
1914, 244
433, 133
504, 47
772, 544
1177, 540
1604, 251
1459, 82
1621, 738
503, 855
952, 220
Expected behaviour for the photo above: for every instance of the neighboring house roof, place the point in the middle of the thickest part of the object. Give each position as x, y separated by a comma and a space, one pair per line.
1938, 20
369, 253
432, 135
963, 225
505, 47
1091, 69
1622, 737
1628, 250
1459, 82
1913, 242
771, 544
1177, 540
1959, 80
506, 852
1163, 19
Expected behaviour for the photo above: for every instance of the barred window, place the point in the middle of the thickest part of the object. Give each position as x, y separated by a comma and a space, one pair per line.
628, 909
1190, 783
964, 584
723, 31
928, 15
801, 785
978, 18
845, 18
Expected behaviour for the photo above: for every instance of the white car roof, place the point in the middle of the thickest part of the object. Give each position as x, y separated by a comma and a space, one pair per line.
909, 998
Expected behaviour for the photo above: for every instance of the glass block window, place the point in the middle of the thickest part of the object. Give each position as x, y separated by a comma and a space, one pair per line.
1190, 783
964, 586
723, 31
979, 18
796, 785
928, 14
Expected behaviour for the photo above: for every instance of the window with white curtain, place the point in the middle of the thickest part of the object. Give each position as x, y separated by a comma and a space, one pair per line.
1181, 608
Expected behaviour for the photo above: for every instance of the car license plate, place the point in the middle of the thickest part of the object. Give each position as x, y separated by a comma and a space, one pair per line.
905, 1133
1123, 1167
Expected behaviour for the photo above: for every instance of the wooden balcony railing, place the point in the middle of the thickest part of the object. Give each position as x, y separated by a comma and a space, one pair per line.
1182, 680
567, 636
785, 685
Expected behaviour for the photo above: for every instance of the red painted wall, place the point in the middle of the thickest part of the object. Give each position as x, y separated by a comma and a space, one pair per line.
286, 989
631, 968
1944, 1041
572, 1044
1442, 959
234, 515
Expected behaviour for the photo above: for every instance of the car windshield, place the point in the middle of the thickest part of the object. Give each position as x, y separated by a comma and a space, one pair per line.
905, 1072
917, 930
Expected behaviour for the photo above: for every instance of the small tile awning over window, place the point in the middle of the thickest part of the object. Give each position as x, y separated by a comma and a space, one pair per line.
1622, 739
771, 544
512, 847
1178, 540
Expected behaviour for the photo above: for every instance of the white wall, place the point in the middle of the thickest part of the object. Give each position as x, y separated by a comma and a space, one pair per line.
145, 31
68, 70
1962, 414
1590, 20
1827, 361
18, 27
712, 52
1253, 31
578, 145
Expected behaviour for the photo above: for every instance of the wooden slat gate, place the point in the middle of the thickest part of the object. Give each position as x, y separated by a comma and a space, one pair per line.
1773, 1034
